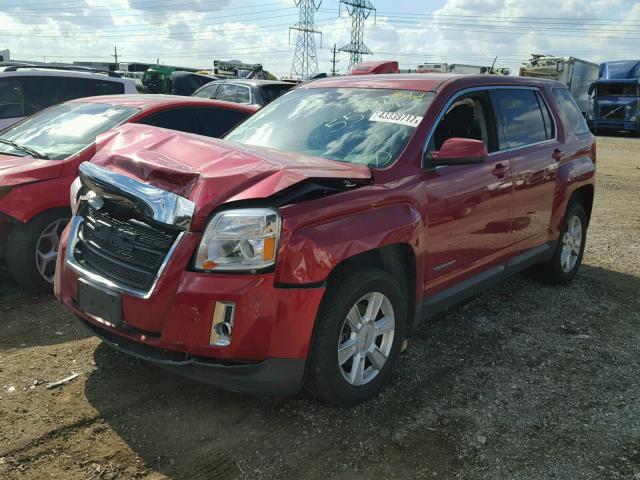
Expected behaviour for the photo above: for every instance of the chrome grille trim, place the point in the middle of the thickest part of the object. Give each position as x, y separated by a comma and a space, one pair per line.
165, 207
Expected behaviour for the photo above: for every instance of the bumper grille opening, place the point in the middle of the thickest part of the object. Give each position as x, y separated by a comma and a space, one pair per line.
121, 247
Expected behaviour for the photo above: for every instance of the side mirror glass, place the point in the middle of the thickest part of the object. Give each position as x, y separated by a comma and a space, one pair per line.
460, 151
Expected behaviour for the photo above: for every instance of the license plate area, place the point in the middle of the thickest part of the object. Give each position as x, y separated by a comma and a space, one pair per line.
101, 304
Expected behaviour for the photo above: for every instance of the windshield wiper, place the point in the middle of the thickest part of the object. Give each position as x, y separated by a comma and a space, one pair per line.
22, 148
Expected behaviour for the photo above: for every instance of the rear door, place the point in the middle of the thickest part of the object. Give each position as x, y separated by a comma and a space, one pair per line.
527, 133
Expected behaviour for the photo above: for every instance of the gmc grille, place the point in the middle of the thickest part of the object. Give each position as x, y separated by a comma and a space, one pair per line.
122, 248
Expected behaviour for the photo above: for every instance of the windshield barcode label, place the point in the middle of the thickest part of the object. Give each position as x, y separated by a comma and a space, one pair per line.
395, 117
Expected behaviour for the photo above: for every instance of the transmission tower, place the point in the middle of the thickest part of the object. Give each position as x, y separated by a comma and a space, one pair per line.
359, 11
305, 61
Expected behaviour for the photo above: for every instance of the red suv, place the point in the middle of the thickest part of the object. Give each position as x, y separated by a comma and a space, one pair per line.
39, 159
308, 244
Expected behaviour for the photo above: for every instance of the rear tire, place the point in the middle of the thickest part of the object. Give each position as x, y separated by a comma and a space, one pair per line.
31, 250
567, 257
359, 334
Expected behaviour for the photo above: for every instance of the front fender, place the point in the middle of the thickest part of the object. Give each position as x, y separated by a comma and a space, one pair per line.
26, 201
311, 252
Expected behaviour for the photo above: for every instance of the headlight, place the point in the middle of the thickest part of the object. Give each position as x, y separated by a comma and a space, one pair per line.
76, 186
242, 239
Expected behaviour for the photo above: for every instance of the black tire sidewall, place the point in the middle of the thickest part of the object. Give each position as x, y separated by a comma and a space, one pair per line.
326, 378
21, 247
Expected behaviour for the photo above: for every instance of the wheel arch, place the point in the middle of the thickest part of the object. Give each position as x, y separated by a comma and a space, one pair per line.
584, 195
398, 260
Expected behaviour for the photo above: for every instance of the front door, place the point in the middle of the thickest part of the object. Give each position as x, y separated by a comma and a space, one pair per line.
469, 207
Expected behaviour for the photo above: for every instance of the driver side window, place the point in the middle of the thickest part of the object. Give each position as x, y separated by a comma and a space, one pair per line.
469, 116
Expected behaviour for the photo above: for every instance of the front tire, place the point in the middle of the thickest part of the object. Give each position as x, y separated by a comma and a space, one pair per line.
567, 257
32, 248
360, 329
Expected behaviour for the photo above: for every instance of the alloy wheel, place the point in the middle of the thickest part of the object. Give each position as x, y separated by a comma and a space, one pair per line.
571, 244
366, 339
47, 248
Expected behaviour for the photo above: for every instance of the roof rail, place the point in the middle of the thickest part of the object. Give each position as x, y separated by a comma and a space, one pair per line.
71, 68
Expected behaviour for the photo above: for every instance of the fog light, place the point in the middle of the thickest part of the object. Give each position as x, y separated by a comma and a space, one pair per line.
222, 325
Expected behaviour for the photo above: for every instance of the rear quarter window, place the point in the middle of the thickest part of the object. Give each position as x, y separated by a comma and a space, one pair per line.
569, 112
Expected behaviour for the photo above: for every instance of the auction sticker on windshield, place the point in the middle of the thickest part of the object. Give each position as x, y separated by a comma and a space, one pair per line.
396, 117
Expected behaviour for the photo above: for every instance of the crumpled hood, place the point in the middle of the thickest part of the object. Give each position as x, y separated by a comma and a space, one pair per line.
209, 171
18, 170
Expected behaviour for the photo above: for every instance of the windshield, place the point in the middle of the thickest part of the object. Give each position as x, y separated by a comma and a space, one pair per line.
617, 90
63, 130
354, 125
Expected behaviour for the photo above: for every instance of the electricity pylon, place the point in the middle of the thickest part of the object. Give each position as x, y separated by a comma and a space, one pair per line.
305, 60
359, 11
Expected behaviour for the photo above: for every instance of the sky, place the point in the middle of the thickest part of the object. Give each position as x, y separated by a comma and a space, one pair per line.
195, 32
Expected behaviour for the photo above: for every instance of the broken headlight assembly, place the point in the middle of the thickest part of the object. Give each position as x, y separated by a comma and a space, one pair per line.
239, 240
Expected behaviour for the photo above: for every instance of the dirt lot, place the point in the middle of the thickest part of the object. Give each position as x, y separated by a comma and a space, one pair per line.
525, 382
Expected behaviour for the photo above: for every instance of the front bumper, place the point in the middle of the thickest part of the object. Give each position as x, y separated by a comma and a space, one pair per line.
272, 328
276, 376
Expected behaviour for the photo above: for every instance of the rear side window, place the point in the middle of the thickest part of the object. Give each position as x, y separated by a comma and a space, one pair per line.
211, 122
11, 98
244, 95
214, 122
206, 92
227, 93
181, 119
571, 115
525, 118
271, 92
44, 91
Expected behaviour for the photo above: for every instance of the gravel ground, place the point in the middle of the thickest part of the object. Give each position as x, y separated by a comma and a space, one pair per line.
524, 382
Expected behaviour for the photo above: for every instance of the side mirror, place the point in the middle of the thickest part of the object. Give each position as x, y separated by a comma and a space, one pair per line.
460, 151
592, 87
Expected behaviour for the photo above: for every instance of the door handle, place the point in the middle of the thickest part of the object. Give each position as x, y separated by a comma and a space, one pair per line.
557, 154
500, 170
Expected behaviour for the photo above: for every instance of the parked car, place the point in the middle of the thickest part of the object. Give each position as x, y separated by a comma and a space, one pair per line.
25, 89
305, 247
258, 92
39, 159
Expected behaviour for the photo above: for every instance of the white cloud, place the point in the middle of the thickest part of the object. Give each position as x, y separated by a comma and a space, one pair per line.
195, 33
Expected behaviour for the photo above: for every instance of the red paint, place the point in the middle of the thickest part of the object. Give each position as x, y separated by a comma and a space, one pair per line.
455, 150
366, 68
469, 217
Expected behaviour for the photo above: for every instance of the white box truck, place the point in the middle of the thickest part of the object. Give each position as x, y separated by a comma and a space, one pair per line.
577, 74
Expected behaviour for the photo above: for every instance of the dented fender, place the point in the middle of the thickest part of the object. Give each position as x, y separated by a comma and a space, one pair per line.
312, 251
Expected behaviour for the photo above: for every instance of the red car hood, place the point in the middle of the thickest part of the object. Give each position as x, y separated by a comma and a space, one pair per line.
209, 171
18, 170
